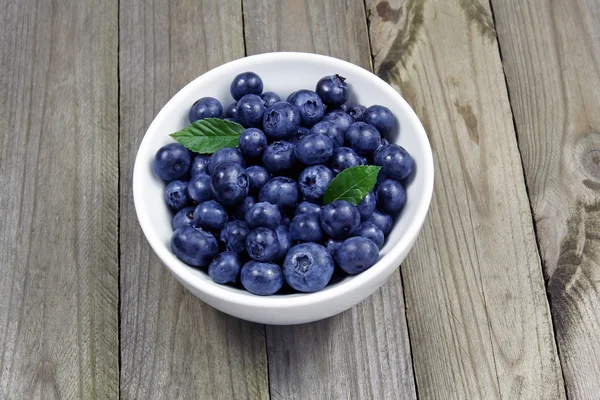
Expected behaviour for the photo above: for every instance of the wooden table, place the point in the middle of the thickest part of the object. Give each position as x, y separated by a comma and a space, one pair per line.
499, 298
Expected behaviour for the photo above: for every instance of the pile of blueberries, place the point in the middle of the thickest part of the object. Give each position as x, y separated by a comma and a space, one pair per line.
254, 214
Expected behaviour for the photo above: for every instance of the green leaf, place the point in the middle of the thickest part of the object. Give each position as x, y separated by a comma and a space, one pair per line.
352, 184
209, 135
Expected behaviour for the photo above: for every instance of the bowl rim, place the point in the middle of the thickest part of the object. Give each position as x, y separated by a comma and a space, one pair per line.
184, 273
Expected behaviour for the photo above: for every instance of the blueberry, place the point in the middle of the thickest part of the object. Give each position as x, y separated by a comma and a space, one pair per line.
263, 214
310, 106
261, 278
363, 138
332, 245
366, 206
210, 215
308, 267
279, 156
285, 241
229, 183
225, 154
363, 160
340, 118
342, 158
371, 231
395, 162
183, 218
252, 143
233, 236
199, 165
307, 207
199, 188
380, 117
232, 111
343, 107
176, 195
281, 191
357, 254
285, 221
262, 244
269, 98
391, 196
382, 221
225, 267
333, 90
281, 121
243, 207
257, 177
314, 148
384, 141
357, 111
250, 110
246, 83
331, 130
340, 219
306, 228
206, 107
301, 132
313, 181
171, 162
194, 246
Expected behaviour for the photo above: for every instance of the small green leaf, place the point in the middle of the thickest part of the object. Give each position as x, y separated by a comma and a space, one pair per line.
209, 135
352, 184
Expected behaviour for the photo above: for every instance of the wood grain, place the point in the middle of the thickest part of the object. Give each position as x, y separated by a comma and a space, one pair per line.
173, 345
59, 200
363, 353
477, 310
551, 53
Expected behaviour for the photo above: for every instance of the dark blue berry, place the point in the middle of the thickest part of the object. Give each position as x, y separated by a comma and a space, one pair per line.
225, 267
313, 181
210, 215
363, 138
310, 106
382, 221
285, 221
371, 231
223, 155
340, 118
243, 207
281, 121
206, 107
269, 98
194, 246
395, 162
199, 165
314, 148
262, 244
340, 219
246, 83
199, 188
233, 235
250, 111
281, 191
263, 214
285, 241
279, 156
356, 255
171, 162
257, 177
229, 183
261, 278
301, 132
357, 111
333, 90
183, 218
342, 158
391, 196
308, 267
332, 245
306, 228
367, 206
252, 143
176, 195
232, 111
306, 207
381, 118
331, 130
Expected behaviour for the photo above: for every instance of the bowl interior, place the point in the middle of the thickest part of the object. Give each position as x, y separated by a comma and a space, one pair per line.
282, 73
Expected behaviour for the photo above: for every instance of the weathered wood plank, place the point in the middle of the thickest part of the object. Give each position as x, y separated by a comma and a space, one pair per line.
173, 345
59, 200
477, 311
551, 53
363, 353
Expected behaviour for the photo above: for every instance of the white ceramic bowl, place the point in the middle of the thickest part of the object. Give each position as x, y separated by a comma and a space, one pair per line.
284, 73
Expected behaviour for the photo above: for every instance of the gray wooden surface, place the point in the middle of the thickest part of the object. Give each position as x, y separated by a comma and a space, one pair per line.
498, 299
